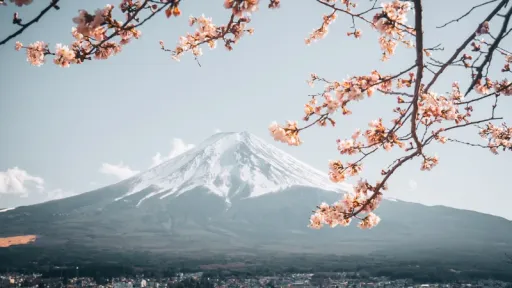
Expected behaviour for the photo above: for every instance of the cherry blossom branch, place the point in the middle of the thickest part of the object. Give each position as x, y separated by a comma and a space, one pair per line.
386, 79
417, 90
53, 4
425, 110
467, 143
131, 17
94, 33
464, 44
208, 33
467, 124
382, 184
493, 47
495, 93
473, 123
358, 16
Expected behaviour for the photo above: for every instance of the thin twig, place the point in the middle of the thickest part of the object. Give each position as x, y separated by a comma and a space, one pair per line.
468, 143
466, 14
52, 4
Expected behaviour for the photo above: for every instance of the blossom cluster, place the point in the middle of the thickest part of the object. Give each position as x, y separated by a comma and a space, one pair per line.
209, 33
390, 22
35, 52
19, 3
238, 8
288, 134
429, 163
503, 87
483, 29
338, 172
497, 136
485, 86
350, 146
378, 134
92, 34
341, 212
336, 96
352, 89
323, 30
434, 108
241, 7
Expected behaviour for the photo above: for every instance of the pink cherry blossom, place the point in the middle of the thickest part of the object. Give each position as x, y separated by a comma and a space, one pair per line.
64, 56
36, 52
87, 23
18, 46
21, 2
370, 221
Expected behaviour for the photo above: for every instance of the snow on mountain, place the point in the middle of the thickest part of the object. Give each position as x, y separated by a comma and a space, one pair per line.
6, 209
228, 163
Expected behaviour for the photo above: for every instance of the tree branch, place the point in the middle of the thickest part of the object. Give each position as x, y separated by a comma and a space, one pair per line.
463, 46
493, 47
419, 74
52, 4
333, 6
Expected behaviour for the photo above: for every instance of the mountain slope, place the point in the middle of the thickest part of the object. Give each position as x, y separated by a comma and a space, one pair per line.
229, 164
234, 193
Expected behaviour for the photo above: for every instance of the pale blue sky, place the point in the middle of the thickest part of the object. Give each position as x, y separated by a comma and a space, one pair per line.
62, 124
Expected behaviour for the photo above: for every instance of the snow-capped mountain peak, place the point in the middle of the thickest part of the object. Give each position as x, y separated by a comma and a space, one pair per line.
228, 163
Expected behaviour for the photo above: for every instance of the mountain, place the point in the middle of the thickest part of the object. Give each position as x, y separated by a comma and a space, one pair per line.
233, 195
229, 165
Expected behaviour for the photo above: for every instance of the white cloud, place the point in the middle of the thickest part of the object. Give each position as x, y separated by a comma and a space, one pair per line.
413, 185
59, 194
178, 146
19, 188
120, 170
20, 182
217, 131
156, 160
